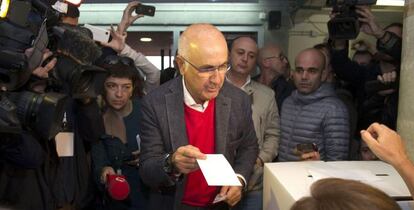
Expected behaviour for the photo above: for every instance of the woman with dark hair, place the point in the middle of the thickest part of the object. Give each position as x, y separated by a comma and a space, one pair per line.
118, 150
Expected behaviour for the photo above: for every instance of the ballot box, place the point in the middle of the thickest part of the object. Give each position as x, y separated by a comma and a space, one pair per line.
284, 183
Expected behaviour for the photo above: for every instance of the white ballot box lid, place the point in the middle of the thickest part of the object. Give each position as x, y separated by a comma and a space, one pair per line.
284, 183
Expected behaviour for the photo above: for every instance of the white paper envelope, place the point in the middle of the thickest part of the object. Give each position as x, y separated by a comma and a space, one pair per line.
217, 171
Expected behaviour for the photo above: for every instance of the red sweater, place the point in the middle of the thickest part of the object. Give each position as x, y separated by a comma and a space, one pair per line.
201, 134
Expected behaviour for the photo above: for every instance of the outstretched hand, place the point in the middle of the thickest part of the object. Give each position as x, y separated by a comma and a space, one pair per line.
368, 23
128, 18
118, 40
385, 143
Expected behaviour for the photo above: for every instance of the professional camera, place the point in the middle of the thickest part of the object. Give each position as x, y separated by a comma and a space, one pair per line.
23, 38
345, 24
74, 71
41, 114
18, 34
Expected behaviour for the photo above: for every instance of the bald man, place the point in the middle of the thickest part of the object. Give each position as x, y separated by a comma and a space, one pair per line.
272, 62
274, 66
192, 115
313, 114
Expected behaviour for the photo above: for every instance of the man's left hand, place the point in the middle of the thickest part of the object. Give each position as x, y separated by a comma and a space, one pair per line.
232, 194
43, 71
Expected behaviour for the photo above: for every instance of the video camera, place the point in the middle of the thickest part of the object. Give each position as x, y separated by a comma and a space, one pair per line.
30, 24
345, 24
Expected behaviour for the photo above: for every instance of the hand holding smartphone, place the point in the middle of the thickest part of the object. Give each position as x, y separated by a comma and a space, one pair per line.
146, 10
99, 34
306, 148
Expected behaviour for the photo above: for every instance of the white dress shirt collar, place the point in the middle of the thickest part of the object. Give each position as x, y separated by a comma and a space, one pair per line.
190, 102
248, 80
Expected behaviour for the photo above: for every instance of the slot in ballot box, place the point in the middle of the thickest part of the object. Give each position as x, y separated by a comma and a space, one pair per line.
285, 183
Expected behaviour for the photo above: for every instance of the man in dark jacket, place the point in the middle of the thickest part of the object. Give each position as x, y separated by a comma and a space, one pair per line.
313, 114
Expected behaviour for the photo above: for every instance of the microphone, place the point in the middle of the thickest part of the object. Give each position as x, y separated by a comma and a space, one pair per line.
117, 187
76, 43
76, 54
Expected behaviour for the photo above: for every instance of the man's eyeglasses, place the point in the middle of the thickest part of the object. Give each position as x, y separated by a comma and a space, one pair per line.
114, 59
281, 57
222, 68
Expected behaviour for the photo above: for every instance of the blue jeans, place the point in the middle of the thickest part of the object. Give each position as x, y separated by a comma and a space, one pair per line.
253, 200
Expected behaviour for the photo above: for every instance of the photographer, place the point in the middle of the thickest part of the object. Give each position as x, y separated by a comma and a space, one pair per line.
62, 180
80, 80
378, 100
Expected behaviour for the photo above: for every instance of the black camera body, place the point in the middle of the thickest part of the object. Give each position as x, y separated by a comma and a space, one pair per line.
345, 24
26, 26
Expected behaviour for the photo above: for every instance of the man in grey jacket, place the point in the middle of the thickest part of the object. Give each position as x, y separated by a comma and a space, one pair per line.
243, 53
195, 114
313, 114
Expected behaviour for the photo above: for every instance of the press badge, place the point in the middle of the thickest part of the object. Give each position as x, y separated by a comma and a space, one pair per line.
64, 141
64, 144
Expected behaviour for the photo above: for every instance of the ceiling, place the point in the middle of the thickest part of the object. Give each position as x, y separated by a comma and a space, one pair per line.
164, 41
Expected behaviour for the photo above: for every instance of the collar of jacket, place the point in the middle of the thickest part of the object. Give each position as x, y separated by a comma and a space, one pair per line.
324, 91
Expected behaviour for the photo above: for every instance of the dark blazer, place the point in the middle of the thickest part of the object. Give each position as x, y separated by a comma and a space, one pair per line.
164, 131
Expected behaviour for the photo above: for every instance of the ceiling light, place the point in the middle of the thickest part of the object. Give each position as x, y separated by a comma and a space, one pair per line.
145, 39
390, 2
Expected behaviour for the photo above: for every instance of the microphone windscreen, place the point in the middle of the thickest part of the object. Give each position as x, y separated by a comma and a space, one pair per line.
117, 186
79, 45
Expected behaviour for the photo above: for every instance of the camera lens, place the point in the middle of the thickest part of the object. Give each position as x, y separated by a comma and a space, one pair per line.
41, 113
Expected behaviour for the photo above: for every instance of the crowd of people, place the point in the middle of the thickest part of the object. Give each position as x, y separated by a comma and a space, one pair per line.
328, 107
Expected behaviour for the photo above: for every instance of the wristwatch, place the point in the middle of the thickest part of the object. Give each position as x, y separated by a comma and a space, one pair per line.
168, 166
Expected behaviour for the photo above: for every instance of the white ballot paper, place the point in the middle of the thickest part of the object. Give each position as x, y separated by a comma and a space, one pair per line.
217, 171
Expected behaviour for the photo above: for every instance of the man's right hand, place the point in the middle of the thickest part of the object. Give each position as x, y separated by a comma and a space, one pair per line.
185, 159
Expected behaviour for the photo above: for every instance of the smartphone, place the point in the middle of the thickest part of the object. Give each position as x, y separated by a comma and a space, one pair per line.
146, 10
306, 148
99, 34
